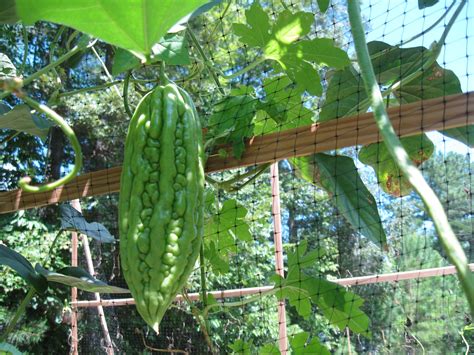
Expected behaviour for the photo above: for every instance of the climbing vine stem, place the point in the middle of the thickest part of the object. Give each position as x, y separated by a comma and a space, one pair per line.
446, 235
24, 182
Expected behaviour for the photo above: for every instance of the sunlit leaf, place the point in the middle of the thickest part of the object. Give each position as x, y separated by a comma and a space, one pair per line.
135, 25
338, 175
21, 119
391, 180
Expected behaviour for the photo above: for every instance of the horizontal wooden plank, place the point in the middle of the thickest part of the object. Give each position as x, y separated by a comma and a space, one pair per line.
423, 116
353, 281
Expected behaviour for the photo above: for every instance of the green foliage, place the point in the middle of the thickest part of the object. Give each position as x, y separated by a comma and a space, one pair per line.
339, 177
393, 66
8, 12
426, 3
279, 42
301, 345
283, 107
340, 307
136, 27
345, 95
73, 220
221, 233
24, 233
419, 149
241, 347
20, 119
172, 49
23, 267
232, 119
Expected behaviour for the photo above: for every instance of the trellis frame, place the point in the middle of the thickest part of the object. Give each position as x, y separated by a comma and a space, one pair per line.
411, 119
408, 120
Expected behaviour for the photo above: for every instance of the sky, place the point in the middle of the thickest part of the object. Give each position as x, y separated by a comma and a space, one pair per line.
392, 21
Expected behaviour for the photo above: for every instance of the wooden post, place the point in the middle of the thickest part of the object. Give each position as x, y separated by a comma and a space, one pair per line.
276, 214
74, 334
90, 267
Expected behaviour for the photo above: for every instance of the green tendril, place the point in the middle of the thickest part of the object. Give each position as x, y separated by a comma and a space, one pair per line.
24, 183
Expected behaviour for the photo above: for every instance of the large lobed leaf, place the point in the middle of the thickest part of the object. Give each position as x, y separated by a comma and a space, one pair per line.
338, 175
279, 42
346, 95
390, 178
232, 120
172, 49
339, 306
221, 233
301, 345
136, 25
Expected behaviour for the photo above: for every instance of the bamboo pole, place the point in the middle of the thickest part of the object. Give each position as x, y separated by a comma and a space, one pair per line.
90, 267
353, 281
411, 119
276, 214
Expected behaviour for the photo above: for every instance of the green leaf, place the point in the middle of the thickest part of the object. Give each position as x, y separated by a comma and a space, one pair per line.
462, 134
72, 220
292, 290
390, 178
172, 49
78, 277
426, 3
221, 233
242, 347
256, 33
345, 95
339, 306
300, 259
269, 349
432, 83
301, 346
136, 25
283, 106
21, 119
7, 69
218, 260
232, 122
321, 51
302, 73
323, 5
278, 42
8, 349
338, 175
123, 61
23, 267
8, 12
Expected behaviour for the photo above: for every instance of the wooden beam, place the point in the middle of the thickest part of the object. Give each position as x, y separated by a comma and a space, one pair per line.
411, 119
353, 281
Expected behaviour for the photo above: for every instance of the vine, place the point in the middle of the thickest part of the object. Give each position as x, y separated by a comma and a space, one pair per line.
447, 237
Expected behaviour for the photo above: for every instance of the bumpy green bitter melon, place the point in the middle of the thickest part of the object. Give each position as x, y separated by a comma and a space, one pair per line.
161, 199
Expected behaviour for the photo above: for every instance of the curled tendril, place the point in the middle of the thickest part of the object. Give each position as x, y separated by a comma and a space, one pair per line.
24, 183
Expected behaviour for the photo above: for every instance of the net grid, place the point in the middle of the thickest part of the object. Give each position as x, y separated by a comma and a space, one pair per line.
279, 223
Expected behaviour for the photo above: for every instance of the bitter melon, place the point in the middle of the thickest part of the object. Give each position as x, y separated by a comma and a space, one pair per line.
161, 199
